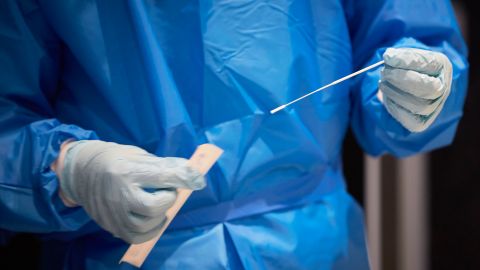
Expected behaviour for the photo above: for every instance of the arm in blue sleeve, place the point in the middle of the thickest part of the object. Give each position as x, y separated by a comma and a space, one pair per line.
30, 136
376, 25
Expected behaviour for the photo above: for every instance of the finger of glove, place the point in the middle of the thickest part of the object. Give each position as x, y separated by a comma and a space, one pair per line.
414, 83
94, 148
118, 218
423, 61
137, 238
110, 216
169, 173
152, 204
143, 224
410, 102
412, 122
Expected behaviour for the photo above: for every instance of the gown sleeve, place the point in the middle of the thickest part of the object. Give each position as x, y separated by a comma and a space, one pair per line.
30, 135
376, 25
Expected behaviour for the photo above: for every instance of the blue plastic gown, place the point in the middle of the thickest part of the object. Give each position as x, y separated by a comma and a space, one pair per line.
169, 75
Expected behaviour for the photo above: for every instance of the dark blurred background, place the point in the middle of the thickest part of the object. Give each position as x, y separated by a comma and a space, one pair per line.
455, 171
452, 202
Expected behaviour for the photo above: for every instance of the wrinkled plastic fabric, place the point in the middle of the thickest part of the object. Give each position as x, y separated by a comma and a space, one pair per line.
169, 75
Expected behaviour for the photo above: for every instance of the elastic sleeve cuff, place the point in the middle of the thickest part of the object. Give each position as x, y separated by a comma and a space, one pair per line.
64, 218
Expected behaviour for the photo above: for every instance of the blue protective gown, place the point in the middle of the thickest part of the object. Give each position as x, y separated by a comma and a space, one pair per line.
169, 75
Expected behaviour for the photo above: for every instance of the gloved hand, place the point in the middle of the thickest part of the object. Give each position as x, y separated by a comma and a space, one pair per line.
123, 188
415, 84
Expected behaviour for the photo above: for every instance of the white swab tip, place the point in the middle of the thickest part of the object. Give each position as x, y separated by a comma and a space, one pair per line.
278, 109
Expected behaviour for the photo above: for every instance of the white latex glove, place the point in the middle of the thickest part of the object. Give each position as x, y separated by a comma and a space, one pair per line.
126, 190
415, 84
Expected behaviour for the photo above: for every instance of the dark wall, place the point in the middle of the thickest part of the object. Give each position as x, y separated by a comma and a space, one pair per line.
455, 176
353, 168
22, 252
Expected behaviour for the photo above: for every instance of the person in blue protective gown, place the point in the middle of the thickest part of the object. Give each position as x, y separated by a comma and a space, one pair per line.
102, 101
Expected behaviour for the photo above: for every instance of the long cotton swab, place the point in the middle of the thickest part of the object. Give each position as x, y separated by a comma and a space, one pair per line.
326, 86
